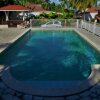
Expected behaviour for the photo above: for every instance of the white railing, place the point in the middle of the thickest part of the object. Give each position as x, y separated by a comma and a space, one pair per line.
97, 28
91, 27
67, 23
64, 23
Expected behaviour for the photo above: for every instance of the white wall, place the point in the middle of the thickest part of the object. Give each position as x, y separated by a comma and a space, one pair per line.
3, 26
93, 14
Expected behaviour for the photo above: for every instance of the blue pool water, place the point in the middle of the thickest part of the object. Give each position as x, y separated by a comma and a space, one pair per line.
50, 55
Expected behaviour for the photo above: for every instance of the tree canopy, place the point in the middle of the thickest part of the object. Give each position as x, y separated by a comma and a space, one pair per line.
82, 4
79, 4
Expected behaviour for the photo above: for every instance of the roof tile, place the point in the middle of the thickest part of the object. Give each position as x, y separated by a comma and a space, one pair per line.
14, 8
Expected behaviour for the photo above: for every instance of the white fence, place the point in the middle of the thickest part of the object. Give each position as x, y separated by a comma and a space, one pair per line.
64, 23
91, 27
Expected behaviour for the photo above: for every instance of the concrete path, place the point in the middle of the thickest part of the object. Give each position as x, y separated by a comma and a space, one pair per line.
93, 39
8, 36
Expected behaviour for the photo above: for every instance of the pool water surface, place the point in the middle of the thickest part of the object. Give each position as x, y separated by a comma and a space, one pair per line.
50, 55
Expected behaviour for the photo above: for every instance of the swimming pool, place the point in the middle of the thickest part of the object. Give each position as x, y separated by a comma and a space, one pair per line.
50, 56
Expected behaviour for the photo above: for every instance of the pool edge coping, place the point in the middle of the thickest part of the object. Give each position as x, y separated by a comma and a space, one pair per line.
88, 40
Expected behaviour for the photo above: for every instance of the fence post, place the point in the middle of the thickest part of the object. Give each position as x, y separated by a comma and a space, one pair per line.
81, 24
77, 23
85, 24
94, 27
65, 23
30, 23
89, 26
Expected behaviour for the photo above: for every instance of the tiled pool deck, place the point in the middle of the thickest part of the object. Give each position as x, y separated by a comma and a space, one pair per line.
9, 35
92, 93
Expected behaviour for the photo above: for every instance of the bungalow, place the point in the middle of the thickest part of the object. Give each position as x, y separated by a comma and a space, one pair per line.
11, 12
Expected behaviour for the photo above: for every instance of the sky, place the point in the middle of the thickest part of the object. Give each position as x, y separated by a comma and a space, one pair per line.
56, 1
98, 2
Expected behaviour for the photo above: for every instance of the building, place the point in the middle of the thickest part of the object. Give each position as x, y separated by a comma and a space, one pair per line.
93, 11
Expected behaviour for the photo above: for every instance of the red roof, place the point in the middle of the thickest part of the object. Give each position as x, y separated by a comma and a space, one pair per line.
93, 9
35, 7
14, 8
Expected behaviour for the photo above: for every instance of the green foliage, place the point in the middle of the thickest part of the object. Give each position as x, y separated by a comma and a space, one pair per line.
6, 2
82, 4
54, 15
47, 5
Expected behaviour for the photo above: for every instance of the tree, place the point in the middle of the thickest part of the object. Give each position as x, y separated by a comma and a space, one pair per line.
82, 4
23, 2
65, 6
20, 2
6, 2
46, 4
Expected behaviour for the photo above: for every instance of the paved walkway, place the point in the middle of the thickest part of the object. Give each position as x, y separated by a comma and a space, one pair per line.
7, 36
92, 93
90, 37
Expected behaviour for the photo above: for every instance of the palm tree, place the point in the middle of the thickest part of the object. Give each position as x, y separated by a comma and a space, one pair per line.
46, 4
82, 4
36, 1
20, 2
65, 4
6, 2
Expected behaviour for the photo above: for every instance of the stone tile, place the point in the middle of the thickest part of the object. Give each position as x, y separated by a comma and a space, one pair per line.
1, 97
93, 95
99, 97
37, 98
86, 98
93, 90
98, 91
74, 97
54, 98
18, 94
98, 87
1, 91
95, 99
9, 91
16, 98
27, 97
2, 85
85, 94
7, 97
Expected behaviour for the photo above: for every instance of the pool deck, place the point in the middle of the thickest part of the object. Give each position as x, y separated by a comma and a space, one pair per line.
13, 90
10, 35
93, 39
